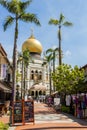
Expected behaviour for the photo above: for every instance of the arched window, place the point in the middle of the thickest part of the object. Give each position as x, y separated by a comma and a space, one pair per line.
44, 93
36, 75
40, 92
36, 93
32, 75
8, 77
36, 72
32, 93
46, 77
40, 75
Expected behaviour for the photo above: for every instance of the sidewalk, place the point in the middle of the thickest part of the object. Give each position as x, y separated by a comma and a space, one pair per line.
46, 118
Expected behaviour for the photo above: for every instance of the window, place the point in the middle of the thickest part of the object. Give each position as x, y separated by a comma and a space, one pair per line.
46, 77
8, 77
32, 75
40, 75
36, 75
32, 93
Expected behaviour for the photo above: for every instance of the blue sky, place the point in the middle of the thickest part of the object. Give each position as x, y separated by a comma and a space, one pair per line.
74, 39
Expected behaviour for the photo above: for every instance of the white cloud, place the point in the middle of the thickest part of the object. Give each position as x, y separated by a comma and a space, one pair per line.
10, 59
68, 53
54, 46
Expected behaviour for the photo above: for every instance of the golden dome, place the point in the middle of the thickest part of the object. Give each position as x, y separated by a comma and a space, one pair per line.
32, 44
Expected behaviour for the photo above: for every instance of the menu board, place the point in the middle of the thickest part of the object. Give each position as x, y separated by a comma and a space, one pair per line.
23, 112
17, 112
28, 111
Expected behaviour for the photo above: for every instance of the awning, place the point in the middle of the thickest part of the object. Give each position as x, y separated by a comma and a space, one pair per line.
54, 93
38, 87
4, 88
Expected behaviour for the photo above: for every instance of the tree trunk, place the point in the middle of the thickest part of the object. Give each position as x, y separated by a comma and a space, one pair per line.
24, 82
53, 69
59, 36
14, 71
22, 75
15, 61
50, 79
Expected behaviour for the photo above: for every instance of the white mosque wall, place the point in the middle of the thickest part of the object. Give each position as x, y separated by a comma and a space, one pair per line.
37, 65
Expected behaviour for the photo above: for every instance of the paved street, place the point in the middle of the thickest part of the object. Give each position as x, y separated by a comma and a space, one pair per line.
44, 114
47, 119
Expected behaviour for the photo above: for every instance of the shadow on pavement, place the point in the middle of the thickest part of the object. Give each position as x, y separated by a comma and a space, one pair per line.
75, 119
54, 128
44, 112
45, 109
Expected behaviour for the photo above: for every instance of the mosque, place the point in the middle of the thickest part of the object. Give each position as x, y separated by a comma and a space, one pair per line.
37, 74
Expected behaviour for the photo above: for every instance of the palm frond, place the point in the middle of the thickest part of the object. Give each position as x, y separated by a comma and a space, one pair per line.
8, 21
26, 57
15, 6
61, 19
29, 18
53, 21
67, 23
24, 5
49, 50
56, 49
3, 3
48, 58
9, 5
12, 6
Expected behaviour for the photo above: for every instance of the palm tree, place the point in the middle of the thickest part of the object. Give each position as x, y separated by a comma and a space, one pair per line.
53, 53
20, 61
25, 58
61, 22
48, 60
18, 10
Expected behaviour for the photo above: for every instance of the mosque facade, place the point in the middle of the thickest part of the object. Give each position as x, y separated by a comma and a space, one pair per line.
36, 79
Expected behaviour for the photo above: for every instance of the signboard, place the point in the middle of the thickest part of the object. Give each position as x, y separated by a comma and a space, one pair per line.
56, 101
23, 112
29, 111
17, 112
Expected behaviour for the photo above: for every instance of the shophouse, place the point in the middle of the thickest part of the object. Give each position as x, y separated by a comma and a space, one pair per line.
5, 78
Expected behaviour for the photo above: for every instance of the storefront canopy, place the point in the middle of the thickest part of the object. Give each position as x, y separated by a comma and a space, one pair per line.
38, 87
4, 88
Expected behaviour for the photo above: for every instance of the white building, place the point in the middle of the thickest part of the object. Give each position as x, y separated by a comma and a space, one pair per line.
37, 75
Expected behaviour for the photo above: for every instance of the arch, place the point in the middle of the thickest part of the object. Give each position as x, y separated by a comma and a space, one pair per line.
44, 92
40, 92
36, 72
46, 77
36, 75
40, 75
38, 89
36, 93
32, 75
32, 93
